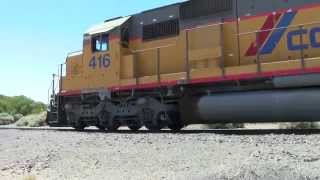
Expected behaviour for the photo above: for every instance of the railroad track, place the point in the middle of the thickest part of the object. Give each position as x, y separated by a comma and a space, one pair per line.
192, 131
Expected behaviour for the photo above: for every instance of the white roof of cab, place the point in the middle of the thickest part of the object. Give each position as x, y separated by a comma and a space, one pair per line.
107, 26
77, 53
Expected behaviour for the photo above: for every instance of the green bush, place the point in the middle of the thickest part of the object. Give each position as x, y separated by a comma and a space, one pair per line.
6, 119
34, 120
20, 105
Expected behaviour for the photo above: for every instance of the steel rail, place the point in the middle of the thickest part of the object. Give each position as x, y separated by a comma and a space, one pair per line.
187, 131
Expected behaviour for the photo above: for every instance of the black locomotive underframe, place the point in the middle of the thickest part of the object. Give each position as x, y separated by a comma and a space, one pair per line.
153, 108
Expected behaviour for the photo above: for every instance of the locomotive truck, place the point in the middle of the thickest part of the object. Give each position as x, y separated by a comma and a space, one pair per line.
195, 62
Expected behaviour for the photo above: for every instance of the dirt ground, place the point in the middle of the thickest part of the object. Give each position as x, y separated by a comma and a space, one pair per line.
189, 155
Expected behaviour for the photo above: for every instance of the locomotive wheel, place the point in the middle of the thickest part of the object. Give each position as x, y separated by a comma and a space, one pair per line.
154, 127
158, 124
175, 123
113, 125
176, 126
135, 127
101, 128
101, 121
107, 122
79, 126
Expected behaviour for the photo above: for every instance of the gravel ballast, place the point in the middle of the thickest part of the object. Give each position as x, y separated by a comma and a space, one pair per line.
200, 156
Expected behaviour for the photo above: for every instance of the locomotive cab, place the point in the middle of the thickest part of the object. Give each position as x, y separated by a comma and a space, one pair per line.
98, 65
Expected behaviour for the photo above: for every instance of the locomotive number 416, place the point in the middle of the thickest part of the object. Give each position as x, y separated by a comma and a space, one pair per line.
102, 61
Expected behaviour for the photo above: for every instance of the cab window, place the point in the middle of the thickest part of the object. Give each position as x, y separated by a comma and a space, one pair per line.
100, 43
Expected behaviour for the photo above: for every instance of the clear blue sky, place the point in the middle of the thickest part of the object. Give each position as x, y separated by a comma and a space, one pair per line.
36, 35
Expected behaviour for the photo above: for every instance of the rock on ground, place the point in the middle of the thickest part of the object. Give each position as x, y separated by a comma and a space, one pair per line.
200, 156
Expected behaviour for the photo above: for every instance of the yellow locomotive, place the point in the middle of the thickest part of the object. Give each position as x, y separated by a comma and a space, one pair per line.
195, 62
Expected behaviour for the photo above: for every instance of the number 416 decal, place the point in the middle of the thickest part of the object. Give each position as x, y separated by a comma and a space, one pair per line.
103, 61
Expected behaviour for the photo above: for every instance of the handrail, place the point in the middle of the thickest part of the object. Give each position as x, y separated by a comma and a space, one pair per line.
204, 26
279, 28
256, 32
251, 32
153, 48
187, 65
222, 23
49, 97
170, 45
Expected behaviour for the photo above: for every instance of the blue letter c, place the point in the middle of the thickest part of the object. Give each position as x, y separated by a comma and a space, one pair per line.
291, 35
313, 37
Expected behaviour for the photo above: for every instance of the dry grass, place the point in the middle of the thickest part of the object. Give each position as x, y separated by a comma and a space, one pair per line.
34, 120
29, 177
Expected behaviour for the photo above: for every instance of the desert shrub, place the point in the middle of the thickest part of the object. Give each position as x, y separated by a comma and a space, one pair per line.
33, 120
17, 117
6, 119
224, 126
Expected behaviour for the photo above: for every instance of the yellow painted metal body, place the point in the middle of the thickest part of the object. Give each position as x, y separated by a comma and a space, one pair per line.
212, 50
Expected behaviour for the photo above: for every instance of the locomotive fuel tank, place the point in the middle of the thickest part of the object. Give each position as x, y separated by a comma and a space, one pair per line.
287, 105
